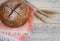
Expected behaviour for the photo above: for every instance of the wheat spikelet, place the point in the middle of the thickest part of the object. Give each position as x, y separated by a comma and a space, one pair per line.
39, 11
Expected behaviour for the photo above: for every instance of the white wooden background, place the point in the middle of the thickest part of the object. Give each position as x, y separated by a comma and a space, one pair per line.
50, 31
46, 32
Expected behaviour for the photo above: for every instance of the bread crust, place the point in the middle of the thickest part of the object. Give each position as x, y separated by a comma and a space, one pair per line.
14, 13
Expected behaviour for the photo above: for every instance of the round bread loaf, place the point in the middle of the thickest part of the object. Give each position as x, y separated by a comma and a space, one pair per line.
14, 13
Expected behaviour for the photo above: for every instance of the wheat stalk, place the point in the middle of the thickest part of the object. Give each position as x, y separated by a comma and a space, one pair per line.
38, 11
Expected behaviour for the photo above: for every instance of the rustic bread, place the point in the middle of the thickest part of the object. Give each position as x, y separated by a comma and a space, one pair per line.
14, 13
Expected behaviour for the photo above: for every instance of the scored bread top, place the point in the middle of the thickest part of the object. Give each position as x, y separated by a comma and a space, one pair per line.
14, 13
